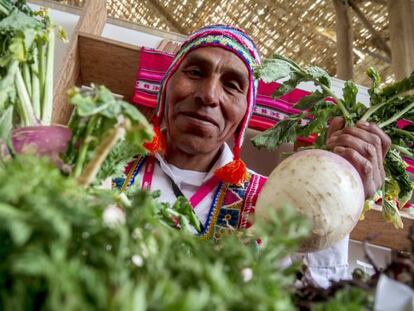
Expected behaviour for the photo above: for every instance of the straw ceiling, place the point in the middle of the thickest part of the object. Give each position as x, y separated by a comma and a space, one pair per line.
303, 30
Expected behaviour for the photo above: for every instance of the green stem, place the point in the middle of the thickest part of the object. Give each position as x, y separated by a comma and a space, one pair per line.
5, 8
7, 83
47, 107
404, 132
110, 138
373, 109
83, 150
36, 84
27, 78
27, 114
41, 60
403, 150
396, 116
338, 102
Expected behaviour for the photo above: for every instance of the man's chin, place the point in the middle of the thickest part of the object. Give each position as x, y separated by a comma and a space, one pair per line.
193, 144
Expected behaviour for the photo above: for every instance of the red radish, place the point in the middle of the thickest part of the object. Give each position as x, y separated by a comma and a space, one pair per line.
41, 140
320, 185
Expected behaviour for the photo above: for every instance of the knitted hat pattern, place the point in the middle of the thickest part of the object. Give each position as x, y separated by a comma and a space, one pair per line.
237, 42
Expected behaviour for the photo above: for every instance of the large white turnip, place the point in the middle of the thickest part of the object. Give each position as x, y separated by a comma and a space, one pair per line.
320, 185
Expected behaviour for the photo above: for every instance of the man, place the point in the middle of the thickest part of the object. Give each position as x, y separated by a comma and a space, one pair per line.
207, 96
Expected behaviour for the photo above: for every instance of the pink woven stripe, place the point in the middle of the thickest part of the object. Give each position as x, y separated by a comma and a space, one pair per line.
255, 186
148, 75
203, 191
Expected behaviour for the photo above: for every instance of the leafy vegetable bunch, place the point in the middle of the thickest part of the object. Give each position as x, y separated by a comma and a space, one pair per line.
388, 104
26, 64
68, 247
106, 133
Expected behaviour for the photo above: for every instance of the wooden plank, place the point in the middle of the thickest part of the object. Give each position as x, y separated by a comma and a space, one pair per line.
108, 62
383, 233
344, 42
92, 21
401, 15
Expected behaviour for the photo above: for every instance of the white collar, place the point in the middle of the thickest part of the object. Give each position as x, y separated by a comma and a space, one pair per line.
226, 156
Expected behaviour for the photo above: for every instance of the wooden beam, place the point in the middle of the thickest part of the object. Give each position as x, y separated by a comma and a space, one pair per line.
378, 232
92, 20
168, 17
401, 15
344, 42
377, 39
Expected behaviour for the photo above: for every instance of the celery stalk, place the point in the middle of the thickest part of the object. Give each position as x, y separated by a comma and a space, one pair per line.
47, 106
35, 84
27, 78
41, 62
25, 106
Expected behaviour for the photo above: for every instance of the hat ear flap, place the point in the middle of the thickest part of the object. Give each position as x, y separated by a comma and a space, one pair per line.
158, 144
234, 172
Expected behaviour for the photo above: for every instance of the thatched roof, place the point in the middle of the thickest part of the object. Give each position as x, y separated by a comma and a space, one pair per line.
302, 30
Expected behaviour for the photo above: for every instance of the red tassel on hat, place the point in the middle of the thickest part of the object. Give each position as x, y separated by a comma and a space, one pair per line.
158, 142
234, 172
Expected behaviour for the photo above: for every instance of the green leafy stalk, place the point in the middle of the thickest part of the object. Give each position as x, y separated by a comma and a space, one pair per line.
47, 104
35, 84
5, 7
397, 116
41, 61
7, 83
84, 148
111, 137
377, 107
6, 125
27, 114
108, 133
25, 69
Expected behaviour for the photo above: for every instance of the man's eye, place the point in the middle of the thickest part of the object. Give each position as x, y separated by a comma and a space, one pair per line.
194, 73
232, 85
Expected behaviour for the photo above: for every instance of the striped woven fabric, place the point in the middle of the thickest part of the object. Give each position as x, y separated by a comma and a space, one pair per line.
267, 111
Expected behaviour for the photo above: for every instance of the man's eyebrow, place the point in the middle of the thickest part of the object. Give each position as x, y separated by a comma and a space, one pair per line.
233, 72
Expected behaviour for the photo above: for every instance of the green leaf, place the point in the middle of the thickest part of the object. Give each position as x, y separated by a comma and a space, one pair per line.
310, 100
6, 126
272, 70
319, 75
390, 213
374, 76
395, 168
17, 49
18, 21
289, 85
350, 92
284, 131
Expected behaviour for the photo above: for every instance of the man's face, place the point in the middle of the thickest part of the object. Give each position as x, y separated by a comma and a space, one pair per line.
206, 99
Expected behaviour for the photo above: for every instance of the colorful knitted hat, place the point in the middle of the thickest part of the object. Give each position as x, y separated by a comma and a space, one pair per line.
233, 40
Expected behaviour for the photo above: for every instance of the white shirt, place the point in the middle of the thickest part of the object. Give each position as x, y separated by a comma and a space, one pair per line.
325, 265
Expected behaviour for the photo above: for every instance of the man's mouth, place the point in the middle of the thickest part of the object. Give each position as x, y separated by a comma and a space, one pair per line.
201, 117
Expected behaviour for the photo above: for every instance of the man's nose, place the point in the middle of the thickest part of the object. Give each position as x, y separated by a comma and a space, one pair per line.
209, 91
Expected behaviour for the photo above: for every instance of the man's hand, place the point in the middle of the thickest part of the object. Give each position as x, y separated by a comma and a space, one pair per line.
364, 146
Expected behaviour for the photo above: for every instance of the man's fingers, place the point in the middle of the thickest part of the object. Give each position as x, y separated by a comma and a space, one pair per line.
374, 129
362, 165
368, 137
365, 149
336, 124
